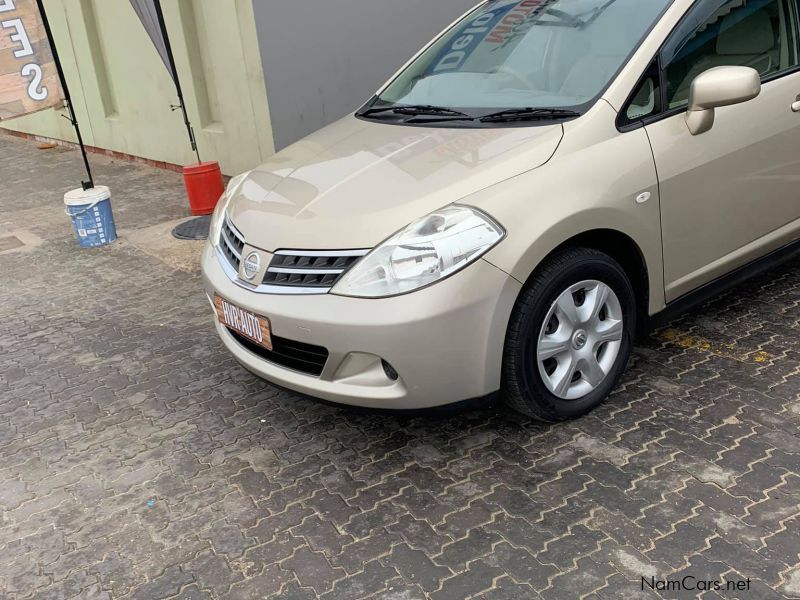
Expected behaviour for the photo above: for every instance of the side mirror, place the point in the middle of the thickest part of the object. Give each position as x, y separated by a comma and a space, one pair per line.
720, 86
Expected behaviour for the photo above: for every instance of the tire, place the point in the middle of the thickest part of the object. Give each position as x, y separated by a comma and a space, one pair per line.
543, 388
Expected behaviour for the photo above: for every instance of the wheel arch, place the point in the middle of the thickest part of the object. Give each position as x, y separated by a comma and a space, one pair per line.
620, 246
623, 249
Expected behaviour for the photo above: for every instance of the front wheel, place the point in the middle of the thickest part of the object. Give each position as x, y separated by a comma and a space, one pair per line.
570, 336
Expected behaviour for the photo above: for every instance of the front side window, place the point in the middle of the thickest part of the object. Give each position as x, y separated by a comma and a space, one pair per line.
512, 54
761, 34
646, 100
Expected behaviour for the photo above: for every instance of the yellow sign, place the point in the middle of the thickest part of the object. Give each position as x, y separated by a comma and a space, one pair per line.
28, 75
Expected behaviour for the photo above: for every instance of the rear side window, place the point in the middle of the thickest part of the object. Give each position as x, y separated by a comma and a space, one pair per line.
761, 34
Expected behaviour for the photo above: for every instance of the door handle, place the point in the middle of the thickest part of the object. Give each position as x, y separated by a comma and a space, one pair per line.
796, 104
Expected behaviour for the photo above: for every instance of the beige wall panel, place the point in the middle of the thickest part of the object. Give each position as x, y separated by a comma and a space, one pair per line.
123, 93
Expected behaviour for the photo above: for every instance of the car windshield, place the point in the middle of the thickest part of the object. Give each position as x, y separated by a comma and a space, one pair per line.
529, 54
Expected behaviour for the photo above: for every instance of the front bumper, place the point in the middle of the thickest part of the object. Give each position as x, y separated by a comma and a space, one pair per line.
445, 342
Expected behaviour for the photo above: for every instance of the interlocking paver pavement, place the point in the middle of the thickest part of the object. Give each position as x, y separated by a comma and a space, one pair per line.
138, 460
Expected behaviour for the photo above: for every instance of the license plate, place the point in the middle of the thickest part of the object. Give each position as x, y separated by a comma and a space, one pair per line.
243, 322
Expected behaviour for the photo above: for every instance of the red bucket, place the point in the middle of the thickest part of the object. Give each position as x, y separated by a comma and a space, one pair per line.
204, 187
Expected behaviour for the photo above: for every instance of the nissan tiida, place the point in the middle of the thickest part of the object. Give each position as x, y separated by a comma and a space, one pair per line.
513, 205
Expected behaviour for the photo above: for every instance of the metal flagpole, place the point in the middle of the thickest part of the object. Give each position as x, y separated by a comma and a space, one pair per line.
182, 105
87, 185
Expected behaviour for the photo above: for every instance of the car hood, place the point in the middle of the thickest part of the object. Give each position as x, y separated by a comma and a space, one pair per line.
355, 183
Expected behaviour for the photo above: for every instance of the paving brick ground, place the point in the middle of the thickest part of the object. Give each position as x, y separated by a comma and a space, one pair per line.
138, 460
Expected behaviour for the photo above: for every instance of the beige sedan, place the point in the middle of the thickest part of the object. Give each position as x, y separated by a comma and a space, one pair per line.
516, 203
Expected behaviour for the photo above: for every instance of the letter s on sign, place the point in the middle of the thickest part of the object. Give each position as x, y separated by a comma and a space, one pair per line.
36, 91
7, 5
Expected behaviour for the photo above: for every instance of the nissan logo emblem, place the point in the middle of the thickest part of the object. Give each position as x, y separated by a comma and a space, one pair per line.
251, 266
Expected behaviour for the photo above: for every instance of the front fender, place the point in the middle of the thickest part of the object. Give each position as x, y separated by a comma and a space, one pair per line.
593, 182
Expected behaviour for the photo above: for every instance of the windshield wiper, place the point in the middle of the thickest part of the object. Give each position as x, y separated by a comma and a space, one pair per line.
529, 114
415, 110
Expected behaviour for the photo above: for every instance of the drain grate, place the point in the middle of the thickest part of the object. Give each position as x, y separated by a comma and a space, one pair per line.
10, 242
195, 229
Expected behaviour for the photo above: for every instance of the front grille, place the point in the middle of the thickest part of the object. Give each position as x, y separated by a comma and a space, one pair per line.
297, 356
310, 269
231, 242
291, 271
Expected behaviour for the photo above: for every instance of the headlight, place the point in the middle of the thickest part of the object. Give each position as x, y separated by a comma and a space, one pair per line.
218, 218
426, 251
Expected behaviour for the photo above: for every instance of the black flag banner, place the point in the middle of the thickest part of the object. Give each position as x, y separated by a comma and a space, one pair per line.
148, 15
152, 17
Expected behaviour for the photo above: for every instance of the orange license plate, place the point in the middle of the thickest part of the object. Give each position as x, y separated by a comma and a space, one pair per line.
243, 322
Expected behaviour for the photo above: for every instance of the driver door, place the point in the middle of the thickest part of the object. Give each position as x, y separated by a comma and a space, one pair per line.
732, 194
